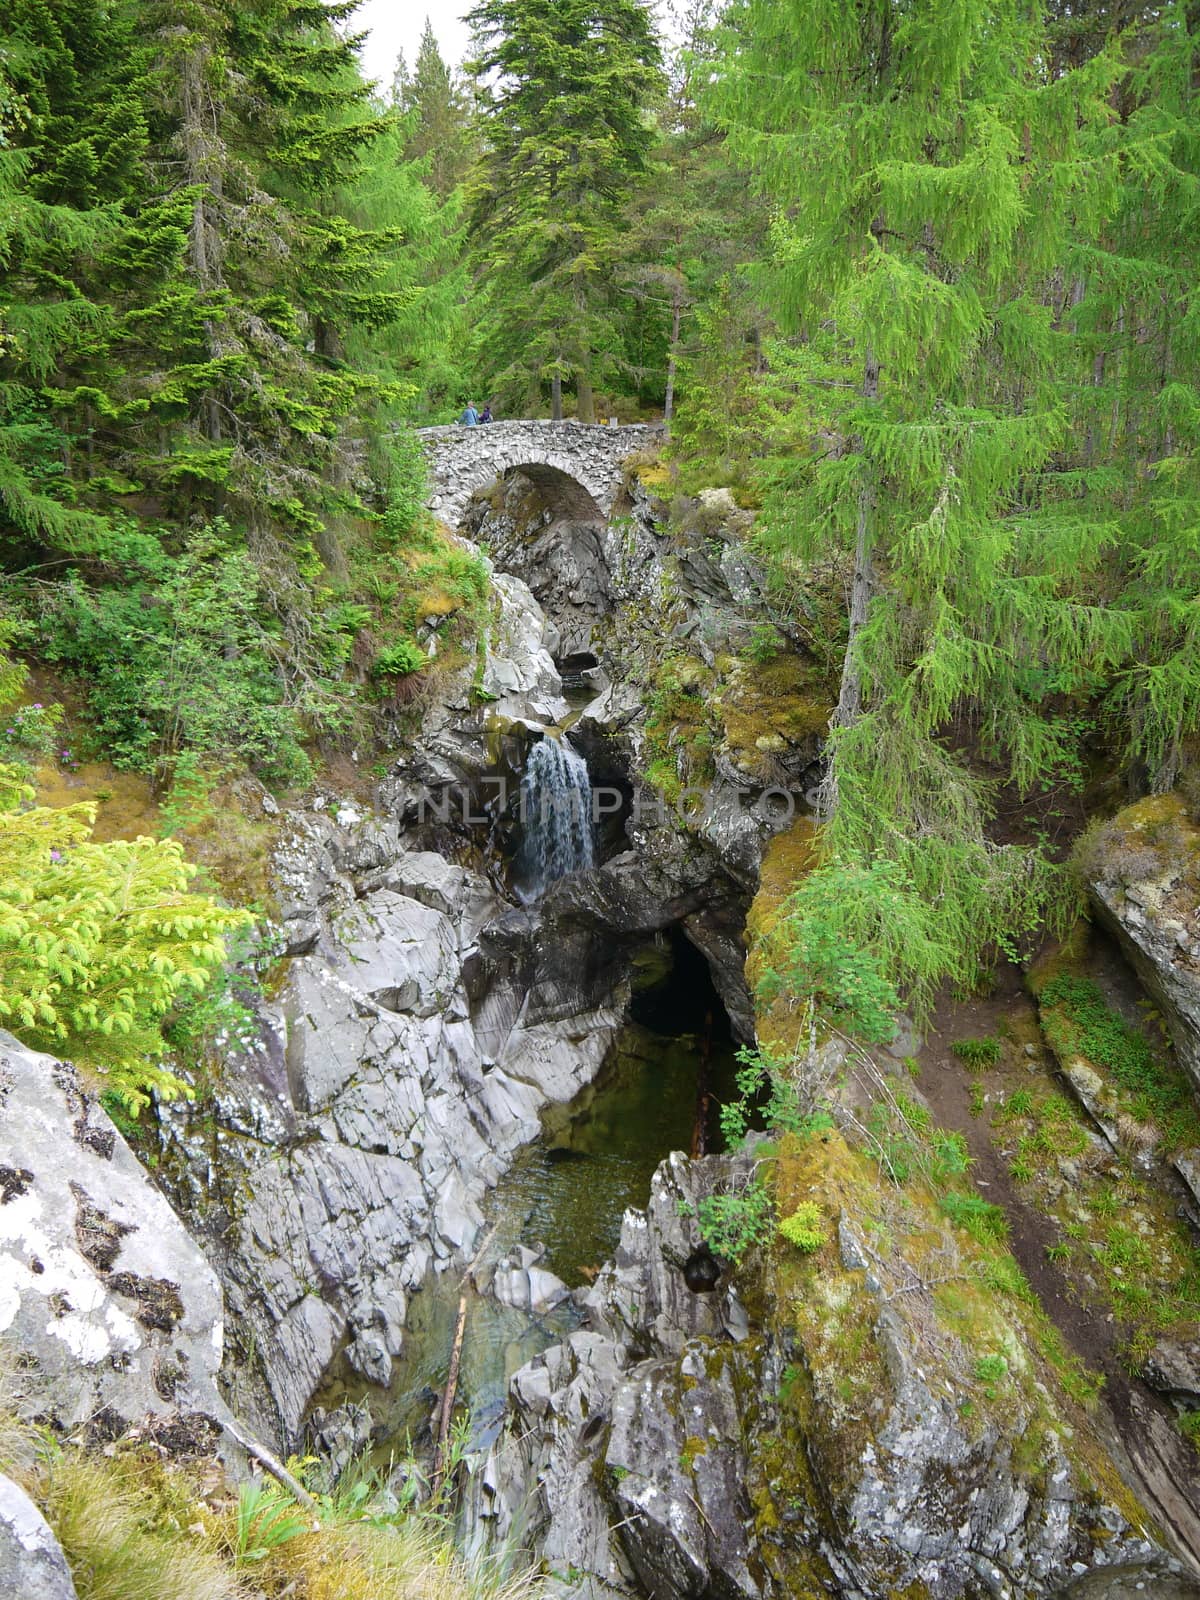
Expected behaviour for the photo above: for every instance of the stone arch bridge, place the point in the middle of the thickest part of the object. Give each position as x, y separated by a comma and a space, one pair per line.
582, 460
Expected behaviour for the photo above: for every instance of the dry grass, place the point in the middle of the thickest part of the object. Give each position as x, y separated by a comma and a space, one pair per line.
398, 1561
134, 1525
129, 1535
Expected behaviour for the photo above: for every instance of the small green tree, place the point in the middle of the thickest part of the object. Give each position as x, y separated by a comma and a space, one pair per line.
99, 942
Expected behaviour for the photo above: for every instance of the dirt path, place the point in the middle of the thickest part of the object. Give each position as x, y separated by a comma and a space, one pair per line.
1136, 1424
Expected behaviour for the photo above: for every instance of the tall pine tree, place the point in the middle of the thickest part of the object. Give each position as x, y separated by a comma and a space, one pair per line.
438, 118
933, 178
566, 139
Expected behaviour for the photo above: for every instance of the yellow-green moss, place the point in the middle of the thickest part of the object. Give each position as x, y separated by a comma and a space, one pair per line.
126, 807
766, 707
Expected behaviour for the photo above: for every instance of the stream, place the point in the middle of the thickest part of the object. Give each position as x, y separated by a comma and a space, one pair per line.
563, 1200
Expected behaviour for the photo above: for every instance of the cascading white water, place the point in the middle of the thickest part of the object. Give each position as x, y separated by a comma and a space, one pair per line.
556, 816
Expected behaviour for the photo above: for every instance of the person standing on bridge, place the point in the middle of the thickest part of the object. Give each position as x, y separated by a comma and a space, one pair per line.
486, 414
470, 417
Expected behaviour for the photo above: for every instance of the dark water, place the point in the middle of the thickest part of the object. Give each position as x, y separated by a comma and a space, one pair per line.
596, 1156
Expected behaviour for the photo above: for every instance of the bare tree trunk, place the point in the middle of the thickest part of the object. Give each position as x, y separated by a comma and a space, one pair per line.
862, 587
673, 351
586, 401
438, 1475
556, 396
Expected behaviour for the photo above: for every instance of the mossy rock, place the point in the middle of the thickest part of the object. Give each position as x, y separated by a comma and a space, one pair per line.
769, 708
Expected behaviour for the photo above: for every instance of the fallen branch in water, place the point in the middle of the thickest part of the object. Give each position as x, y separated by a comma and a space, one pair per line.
439, 1454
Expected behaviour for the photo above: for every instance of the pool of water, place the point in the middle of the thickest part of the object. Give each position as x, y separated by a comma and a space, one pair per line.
570, 1189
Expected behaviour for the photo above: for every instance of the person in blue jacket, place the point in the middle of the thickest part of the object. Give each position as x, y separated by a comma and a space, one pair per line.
470, 417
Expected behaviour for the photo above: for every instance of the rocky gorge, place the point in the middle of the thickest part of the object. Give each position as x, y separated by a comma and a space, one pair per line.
889, 1414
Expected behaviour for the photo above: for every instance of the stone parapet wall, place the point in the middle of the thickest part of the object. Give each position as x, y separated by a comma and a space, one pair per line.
463, 460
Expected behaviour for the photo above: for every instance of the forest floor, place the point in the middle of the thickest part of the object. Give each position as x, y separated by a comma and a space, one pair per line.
1136, 1424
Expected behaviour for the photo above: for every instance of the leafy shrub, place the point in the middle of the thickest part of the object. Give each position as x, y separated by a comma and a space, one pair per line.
767, 1088
731, 1225
99, 942
399, 660
183, 660
813, 957
977, 1053
29, 732
805, 1228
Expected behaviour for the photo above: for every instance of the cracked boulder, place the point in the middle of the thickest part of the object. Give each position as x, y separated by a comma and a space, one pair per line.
112, 1306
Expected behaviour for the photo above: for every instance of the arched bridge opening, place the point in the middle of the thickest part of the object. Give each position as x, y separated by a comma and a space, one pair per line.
581, 461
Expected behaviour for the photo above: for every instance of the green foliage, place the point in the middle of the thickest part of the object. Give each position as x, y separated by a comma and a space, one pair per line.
220, 280
1078, 1021
30, 731
437, 117
267, 1518
767, 1087
973, 424
991, 1371
399, 660
981, 1219
825, 948
732, 1225
765, 643
1018, 1104
805, 1228
976, 1054
99, 943
186, 663
1005, 1276
566, 138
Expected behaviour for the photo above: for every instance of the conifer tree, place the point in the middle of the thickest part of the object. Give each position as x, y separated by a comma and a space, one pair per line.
181, 277
438, 116
567, 138
695, 224
931, 179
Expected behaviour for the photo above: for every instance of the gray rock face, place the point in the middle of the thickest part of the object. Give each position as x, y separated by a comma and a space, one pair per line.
463, 460
625, 1450
1141, 886
1173, 1367
113, 1306
518, 691
408, 1056
653, 1452
32, 1566
422, 1025
1132, 1580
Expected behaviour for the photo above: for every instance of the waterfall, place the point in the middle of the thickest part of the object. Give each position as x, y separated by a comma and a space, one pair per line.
556, 815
